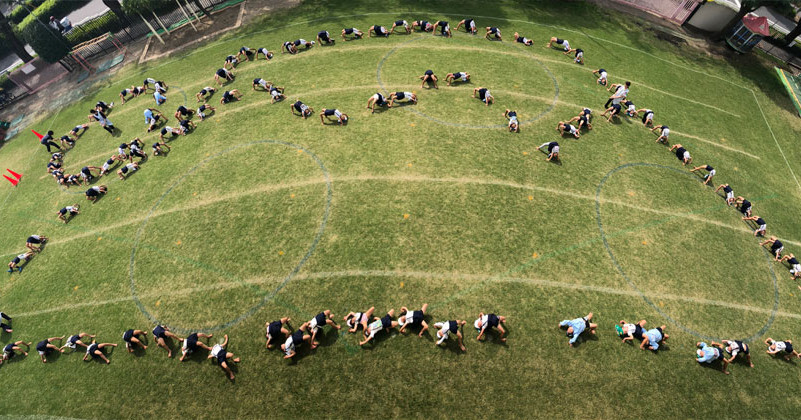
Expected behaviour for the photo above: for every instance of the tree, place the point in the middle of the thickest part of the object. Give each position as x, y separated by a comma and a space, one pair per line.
201, 8
116, 8
16, 45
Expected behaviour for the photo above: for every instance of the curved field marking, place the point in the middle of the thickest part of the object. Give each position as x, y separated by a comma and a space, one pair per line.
633, 285
422, 275
394, 178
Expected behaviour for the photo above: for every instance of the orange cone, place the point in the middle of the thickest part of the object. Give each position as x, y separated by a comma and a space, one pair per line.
37, 134
13, 181
16, 175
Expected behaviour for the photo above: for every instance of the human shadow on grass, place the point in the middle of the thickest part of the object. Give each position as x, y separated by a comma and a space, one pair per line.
556, 161
401, 104
378, 341
717, 366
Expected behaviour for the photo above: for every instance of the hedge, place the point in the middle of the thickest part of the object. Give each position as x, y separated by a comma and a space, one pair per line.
57, 8
48, 43
107, 22
20, 12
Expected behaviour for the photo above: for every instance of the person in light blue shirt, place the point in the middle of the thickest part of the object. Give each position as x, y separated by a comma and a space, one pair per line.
653, 337
152, 117
709, 353
160, 99
577, 326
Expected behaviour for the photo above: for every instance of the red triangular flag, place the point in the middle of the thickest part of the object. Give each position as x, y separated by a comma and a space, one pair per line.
16, 175
37, 134
13, 182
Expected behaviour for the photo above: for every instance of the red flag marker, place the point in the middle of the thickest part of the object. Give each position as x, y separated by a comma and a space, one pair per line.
37, 134
13, 181
16, 175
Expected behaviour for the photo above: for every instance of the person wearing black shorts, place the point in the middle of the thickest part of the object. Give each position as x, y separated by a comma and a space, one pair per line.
276, 331
469, 26
18, 260
3, 326
743, 205
304, 110
776, 347
191, 343
734, 348
324, 38
413, 318
488, 322
223, 75
493, 33
385, 323
74, 341
36, 242
183, 112
776, 247
222, 355
376, 100
201, 96
131, 339
94, 349
444, 29
295, 340
378, 30
318, 322
160, 334
430, 78
245, 52
357, 34
47, 141
230, 95
403, 24
45, 347
230, 62
553, 150
9, 351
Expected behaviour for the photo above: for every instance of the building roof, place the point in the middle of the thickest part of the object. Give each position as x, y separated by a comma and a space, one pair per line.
756, 24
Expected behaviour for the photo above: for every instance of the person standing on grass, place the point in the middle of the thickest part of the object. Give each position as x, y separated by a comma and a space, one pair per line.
354, 320
47, 141
318, 322
413, 318
276, 331
682, 154
3, 326
469, 26
631, 332
488, 322
708, 176
45, 347
708, 354
222, 355
577, 326
762, 226
385, 323
75, 340
19, 260
160, 334
94, 350
191, 343
621, 91
131, 339
9, 351
295, 340
553, 150
776, 247
35, 242
795, 266
653, 338
743, 205
777, 347
728, 191
447, 328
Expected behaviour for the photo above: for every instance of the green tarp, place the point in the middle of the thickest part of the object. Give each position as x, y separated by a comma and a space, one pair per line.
793, 86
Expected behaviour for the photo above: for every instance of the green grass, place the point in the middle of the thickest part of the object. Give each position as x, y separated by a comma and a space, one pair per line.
465, 219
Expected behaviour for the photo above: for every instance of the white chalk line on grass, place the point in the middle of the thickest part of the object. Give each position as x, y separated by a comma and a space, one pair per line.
776, 141
416, 275
400, 178
710, 142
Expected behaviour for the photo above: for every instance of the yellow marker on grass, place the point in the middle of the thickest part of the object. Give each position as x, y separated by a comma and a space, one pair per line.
406, 216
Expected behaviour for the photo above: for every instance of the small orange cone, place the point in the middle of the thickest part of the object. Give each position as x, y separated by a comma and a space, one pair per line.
37, 134
13, 181
16, 175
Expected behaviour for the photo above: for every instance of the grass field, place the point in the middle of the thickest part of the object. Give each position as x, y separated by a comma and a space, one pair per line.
259, 214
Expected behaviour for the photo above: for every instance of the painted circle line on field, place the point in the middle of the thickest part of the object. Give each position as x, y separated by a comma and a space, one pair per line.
633, 285
452, 124
267, 296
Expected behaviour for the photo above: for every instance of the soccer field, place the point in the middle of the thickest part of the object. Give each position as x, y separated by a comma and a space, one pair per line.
259, 214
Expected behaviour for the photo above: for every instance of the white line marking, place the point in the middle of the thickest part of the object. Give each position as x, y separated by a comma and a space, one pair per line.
417, 275
710, 142
776, 141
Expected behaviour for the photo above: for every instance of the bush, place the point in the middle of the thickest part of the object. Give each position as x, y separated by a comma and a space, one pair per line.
57, 8
46, 41
20, 12
107, 22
